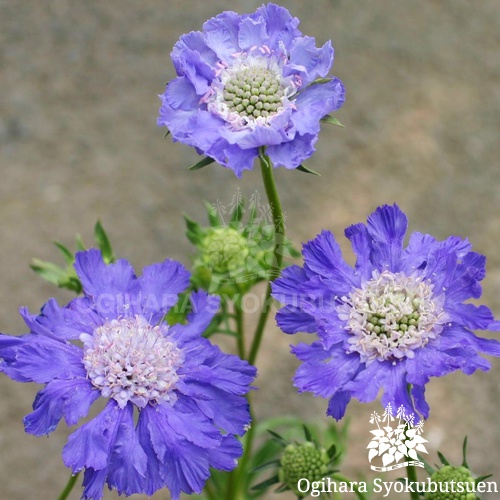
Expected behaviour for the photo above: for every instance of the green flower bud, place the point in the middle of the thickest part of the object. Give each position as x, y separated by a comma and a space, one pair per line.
224, 250
447, 474
300, 461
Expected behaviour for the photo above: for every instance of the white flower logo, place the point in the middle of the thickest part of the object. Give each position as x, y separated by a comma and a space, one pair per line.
396, 439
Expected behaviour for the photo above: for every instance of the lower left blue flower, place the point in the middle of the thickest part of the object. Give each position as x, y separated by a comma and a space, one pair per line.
112, 342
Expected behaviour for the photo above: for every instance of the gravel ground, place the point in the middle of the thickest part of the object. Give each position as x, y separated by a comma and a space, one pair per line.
78, 142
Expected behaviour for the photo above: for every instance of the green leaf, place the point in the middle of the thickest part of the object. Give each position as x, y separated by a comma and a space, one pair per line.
307, 170
67, 254
80, 246
103, 243
482, 478
202, 163
49, 271
332, 120
265, 484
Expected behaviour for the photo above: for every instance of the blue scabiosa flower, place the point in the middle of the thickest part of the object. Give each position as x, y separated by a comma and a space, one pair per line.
247, 82
392, 321
174, 403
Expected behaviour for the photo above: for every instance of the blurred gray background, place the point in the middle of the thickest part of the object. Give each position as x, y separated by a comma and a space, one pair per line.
79, 142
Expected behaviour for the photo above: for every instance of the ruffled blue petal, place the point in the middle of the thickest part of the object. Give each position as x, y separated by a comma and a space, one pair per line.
387, 227
281, 26
113, 287
221, 35
252, 33
324, 372
160, 288
361, 245
292, 153
309, 61
127, 462
174, 460
285, 288
337, 404
91, 444
69, 398
292, 320
195, 42
204, 309
42, 359
225, 457
324, 257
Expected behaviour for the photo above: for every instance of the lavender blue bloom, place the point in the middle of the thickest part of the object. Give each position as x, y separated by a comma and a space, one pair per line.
175, 402
395, 319
248, 82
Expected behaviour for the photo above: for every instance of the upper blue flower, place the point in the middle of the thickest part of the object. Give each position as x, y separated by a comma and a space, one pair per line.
247, 82
392, 321
113, 343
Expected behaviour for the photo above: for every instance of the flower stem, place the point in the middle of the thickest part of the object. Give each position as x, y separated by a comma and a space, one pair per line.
238, 314
69, 486
279, 235
411, 470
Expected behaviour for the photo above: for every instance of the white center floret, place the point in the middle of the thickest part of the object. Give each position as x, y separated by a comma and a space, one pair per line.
250, 92
130, 360
391, 315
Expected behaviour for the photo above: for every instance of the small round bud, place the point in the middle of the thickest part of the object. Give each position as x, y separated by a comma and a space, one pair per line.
442, 479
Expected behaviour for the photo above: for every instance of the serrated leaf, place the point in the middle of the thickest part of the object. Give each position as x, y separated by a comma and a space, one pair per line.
331, 120
202, 163
103, 243
301, 168
194, 231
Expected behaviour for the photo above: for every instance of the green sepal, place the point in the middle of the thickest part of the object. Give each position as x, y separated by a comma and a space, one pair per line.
482, 478
202, 163
237, 213
194, 231
213, 217
307, 170
442, 458
281, 440
332, 120
103, 243
166, 134
464, 453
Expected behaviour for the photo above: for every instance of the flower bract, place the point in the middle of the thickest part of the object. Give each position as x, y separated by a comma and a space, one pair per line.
174, 403
247, 82
390, 322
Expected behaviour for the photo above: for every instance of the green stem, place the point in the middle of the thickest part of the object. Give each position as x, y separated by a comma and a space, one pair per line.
411, 470
240, 339
279, 235
69, 486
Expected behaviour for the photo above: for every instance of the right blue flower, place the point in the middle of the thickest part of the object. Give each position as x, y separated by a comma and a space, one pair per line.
395, 319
